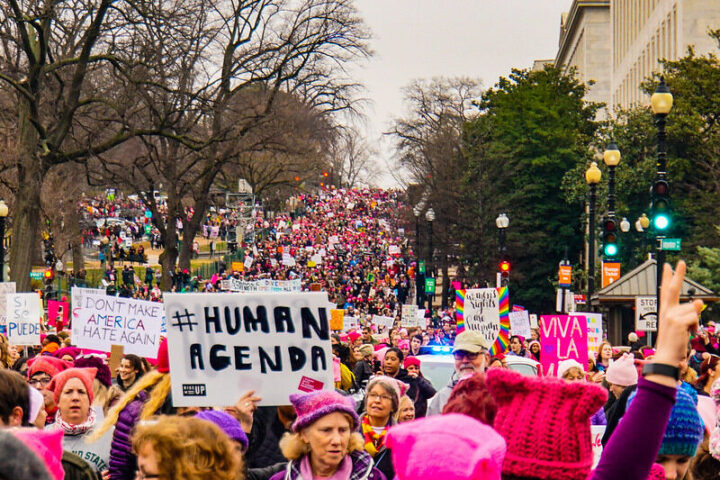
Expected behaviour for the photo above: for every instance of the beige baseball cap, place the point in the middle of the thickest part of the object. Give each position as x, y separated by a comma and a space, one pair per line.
470, 341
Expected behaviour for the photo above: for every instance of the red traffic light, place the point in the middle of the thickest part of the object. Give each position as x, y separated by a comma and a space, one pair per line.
325, 174
505, 266
48, 274
610, 225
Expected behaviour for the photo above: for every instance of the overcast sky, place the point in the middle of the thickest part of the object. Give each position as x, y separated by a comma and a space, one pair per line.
428, 38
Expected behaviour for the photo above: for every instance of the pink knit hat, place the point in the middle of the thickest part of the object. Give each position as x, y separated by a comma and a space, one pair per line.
85, 375
450, 447
546, 424
398, 387
312, 406
47, 444
657, 472
622, 371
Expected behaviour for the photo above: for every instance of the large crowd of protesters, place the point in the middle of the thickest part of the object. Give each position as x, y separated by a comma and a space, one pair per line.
65, 414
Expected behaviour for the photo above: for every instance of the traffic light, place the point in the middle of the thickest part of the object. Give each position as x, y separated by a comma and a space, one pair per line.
609, 237
660, 206
504, 268
326, 174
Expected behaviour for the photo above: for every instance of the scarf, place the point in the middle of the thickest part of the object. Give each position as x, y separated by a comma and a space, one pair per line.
79, 429
374, 442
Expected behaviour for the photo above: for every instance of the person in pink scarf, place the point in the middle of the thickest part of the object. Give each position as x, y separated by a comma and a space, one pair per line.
73, 391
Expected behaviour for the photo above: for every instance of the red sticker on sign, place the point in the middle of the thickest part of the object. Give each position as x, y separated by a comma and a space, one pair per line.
308, 384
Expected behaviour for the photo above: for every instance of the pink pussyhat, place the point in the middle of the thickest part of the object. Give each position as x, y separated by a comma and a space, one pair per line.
48, 447
546, 424
447, 447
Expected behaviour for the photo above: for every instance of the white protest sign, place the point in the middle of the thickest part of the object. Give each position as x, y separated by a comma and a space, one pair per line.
533, 320
225, 344
595, 331
421, 318
409, 315
394, 250
248, 262
100, 321
646, 314
23, 318
5, 288
383, 321
482, 312
288, 260
349, 323
317, 258
596, 434
520, 323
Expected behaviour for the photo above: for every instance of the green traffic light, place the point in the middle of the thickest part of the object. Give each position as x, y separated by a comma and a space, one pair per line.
611, 250
661, 221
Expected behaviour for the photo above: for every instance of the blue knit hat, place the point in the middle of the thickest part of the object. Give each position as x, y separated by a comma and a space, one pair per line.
684, 430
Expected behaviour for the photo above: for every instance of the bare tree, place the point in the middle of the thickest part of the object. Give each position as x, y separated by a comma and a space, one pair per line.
227, 72
53, 57
428, 146
352, 160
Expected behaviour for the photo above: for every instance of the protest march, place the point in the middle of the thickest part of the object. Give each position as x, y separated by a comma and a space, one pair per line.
316, 360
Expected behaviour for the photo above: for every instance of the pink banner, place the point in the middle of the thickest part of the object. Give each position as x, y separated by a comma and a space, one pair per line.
58, 311
563, 337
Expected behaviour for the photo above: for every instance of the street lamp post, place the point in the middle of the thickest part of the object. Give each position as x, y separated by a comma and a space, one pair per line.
3, 215
661, 103
611, 157
430, 268
592, 177
419, 284
502, 222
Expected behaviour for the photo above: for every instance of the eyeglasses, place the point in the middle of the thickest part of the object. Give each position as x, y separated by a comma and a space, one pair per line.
460, 354
375, 396
39, 381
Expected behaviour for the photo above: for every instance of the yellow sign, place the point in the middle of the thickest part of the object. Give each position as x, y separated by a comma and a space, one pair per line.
238, 266
337, 317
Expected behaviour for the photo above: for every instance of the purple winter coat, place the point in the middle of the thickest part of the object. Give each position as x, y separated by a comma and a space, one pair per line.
123, 462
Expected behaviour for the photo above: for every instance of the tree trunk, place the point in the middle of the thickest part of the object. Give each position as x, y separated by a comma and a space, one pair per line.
25, 225
190, 230
73, 219
445, 283
169, 256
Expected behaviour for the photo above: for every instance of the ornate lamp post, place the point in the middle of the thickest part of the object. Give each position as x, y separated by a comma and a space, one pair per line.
430, 217
661, 103
592, 178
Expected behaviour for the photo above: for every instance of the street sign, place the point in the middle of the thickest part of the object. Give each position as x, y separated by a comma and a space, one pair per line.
36, 275
646, 314
430, 285
565, 276
148, 229
670, 244
610, 273
421, 266
580, 298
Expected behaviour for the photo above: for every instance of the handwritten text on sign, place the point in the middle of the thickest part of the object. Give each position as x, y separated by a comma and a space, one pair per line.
225, 344
100, 321
23, 318
482, 312
563, 337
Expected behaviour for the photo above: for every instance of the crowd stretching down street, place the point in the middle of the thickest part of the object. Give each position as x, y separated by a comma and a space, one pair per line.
66, 414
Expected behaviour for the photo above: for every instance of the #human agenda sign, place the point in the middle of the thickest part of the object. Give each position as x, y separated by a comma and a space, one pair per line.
222, 345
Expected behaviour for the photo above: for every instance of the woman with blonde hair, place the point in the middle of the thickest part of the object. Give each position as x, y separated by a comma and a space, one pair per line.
148, 397
185, 448
324, 442
406, 410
